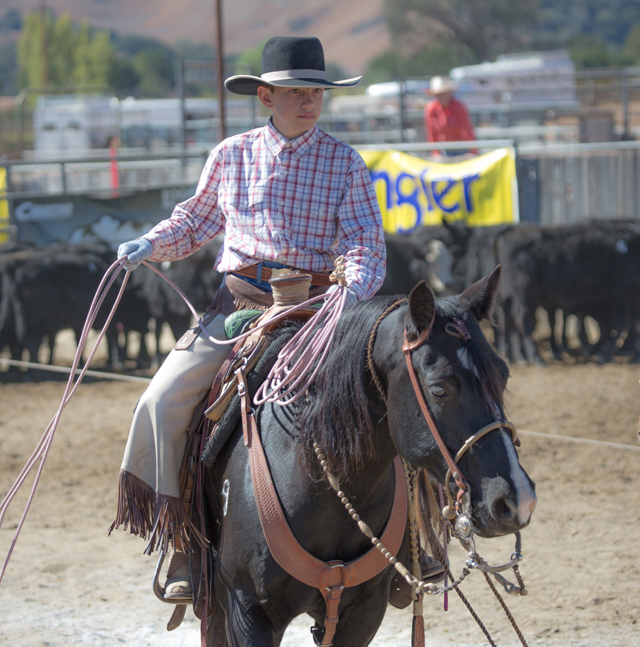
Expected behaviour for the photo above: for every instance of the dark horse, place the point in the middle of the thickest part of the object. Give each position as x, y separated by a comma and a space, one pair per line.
361, 434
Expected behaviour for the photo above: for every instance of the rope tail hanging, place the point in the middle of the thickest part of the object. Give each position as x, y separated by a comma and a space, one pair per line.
42, 450
307, 349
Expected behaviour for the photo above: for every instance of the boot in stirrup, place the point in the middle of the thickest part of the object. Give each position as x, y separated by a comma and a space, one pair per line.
178, 587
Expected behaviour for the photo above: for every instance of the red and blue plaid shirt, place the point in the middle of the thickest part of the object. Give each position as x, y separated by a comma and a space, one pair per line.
300, 202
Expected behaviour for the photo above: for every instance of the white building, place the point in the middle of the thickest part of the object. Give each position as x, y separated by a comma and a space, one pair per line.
533, 78
73, 125
69, 124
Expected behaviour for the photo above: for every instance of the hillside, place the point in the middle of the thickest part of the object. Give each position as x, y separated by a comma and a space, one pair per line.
352, 32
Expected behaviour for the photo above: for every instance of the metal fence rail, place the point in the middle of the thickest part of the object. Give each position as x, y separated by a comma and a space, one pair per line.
558, 182
578, 182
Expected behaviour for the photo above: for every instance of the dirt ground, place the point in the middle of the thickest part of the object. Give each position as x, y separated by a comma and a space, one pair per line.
68, 583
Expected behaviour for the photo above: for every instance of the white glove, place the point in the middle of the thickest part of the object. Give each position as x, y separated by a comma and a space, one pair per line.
351, 295
136, 251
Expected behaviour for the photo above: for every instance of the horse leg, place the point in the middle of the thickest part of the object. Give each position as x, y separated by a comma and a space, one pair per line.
360, 621
247, 624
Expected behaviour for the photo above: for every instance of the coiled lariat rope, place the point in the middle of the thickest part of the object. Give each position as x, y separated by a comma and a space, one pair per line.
301, 353
327, 317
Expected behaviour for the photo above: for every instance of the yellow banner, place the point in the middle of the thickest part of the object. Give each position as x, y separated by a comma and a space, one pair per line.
413, 192
4, 207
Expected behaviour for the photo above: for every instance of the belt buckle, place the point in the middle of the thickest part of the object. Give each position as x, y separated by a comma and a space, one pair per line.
282, 271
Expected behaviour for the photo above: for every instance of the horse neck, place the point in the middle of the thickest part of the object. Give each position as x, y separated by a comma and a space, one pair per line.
374, 474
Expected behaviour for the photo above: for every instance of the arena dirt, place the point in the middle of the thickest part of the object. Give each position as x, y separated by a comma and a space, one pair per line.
68, 583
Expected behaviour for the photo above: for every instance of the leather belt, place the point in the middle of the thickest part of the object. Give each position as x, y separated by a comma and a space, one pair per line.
251, 272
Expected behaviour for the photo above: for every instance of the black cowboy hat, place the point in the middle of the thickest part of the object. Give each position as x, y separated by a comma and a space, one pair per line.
289, 62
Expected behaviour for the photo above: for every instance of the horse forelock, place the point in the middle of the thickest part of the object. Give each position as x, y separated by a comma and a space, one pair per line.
475, 354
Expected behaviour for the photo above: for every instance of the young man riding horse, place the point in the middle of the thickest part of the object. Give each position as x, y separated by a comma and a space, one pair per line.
286, 195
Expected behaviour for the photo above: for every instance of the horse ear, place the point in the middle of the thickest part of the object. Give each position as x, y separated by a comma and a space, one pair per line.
480, 298
421, 310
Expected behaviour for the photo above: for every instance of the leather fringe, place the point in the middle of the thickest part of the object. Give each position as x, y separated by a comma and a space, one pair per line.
158, 518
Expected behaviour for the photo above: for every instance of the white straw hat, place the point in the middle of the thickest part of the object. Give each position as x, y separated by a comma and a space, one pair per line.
441, 85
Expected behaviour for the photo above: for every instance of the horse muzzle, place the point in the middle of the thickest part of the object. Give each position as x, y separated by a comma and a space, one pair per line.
503, 505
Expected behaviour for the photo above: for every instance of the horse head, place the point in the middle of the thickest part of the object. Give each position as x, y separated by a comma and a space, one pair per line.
462, 382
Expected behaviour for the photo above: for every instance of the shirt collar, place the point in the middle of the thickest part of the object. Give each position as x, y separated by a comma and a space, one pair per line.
277, 142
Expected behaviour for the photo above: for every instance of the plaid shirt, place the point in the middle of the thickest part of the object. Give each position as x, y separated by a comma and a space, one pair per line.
299, 202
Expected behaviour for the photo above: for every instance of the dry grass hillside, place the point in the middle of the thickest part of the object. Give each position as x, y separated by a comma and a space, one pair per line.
352, 32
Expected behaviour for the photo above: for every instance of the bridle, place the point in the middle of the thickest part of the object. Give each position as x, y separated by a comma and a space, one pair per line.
461, 508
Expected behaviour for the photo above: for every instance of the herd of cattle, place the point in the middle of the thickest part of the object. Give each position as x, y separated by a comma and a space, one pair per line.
586, 270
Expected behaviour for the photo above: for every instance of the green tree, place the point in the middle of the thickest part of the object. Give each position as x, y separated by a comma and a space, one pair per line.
32, 60
82, 58
438, 59
123, 76
250, 61
156, 69
101, 58
632, 43
589, 51
59, 53
62, 48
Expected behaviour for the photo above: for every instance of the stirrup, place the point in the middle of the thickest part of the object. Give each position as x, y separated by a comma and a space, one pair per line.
160, 591
432, 570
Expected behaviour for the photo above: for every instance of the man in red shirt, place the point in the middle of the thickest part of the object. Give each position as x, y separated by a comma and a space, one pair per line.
446, 119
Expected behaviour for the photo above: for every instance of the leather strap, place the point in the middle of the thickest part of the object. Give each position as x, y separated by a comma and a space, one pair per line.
407, 349
251, 272
329, 577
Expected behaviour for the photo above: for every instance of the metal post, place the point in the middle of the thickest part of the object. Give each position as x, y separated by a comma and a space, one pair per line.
220, 44
402, 89
183, 112
183, 116
63, 177
625, 107
254, 112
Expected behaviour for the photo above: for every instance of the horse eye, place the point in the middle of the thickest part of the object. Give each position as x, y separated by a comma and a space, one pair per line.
438, 391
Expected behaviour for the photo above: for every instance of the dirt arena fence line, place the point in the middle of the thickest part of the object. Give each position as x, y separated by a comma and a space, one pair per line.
574, 439
63, 369
146, 380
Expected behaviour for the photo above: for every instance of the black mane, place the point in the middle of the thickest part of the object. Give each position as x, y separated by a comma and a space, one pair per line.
341, 414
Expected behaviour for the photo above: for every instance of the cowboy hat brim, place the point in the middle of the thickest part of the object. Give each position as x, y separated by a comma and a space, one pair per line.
248, 84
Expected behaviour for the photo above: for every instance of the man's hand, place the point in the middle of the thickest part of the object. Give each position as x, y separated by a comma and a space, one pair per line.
351, 295
136, 251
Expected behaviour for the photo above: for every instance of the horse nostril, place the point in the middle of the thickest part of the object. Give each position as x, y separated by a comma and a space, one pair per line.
505, 509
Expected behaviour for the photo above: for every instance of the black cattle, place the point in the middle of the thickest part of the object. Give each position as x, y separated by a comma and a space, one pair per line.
11, 318
588, 269
53, 289
194, 275
45, 290
411, 260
